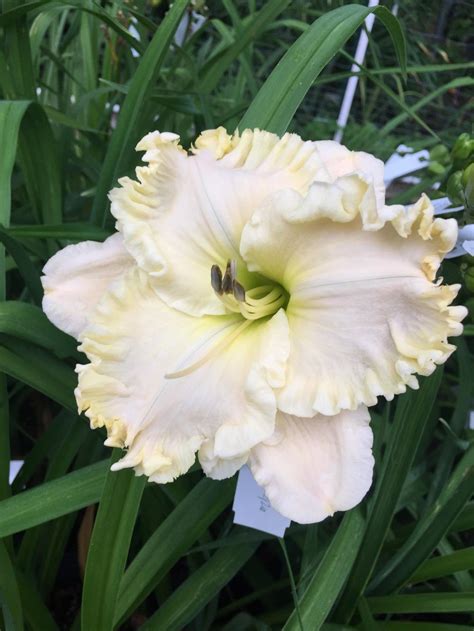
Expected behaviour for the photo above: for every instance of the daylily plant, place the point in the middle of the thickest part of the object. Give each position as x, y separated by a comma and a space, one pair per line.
258, 296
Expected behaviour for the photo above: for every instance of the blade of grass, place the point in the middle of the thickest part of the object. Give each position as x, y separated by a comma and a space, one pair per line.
40, 370
412, 413
460, 82
171, 540
423, 603
37, 614
10, 120
9, 592
69, 232
53, 499
18, 52
457, 423
281, 94
109, 546
213, 71
27, 322
429, 530
330, 575
465, 521
444, 565
27, 269
141, 86
420, 626
204, 583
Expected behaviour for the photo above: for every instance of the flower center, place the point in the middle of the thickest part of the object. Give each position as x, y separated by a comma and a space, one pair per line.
255, 303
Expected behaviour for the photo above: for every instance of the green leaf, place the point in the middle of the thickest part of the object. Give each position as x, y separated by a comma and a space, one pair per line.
436, 602
429, 530
420, 626
411, 416
444, 565
457, 423
27, 322
171, 540
465, 521
213, 71
25, 266
40, 370
204, 583
11, 115
109, 546
67, 231
16, 43
53, 499
37, 615
141, 87
330, 575
281, 94
9, 593
25, 126
461, 82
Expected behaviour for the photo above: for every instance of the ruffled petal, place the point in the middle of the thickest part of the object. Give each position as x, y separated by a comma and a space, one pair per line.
76, 277
364, 315
186, 212
319, 466
224, 406
338, 161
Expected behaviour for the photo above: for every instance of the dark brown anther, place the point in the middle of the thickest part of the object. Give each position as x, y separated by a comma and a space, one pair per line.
238, 291
216, 279
227, 280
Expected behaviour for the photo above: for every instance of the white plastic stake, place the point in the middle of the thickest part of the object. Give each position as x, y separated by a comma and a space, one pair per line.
353, 81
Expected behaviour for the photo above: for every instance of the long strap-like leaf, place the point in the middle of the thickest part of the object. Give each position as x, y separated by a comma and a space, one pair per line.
281, 94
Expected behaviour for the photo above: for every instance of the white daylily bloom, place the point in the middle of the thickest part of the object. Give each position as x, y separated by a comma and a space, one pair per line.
259, 295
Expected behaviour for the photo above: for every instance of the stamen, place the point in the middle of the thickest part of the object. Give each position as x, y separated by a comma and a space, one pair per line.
216, 279
225, 341
254, 303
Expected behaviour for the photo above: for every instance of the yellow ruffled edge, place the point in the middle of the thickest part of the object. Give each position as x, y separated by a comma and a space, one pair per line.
101, 346
263, 151
418, 218
355, 199
137, 202
413, 356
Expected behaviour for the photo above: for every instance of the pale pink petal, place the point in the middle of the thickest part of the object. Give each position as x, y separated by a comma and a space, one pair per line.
319, 466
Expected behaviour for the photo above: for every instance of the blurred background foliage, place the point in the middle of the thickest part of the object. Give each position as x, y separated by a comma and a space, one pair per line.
168, 557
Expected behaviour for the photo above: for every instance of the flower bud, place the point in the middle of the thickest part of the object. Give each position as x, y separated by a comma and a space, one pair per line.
455, 188
463, 147
468, 184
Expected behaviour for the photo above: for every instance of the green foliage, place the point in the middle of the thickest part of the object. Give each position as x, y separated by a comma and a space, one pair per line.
75, 99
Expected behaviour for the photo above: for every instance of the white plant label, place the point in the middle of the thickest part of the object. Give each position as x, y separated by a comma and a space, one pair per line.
252, 507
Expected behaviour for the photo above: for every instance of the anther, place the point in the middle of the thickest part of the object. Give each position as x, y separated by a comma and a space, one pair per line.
227, 284
216, 279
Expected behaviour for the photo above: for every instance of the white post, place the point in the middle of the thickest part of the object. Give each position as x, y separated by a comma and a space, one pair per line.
352, 82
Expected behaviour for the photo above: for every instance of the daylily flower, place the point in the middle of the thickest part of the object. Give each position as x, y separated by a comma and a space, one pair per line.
258, 296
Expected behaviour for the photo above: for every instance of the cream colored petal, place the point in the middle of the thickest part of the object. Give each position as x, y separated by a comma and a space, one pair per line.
186, 212
338, 161
364, 315
320, 465
224, 407
219, 468
76, 277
